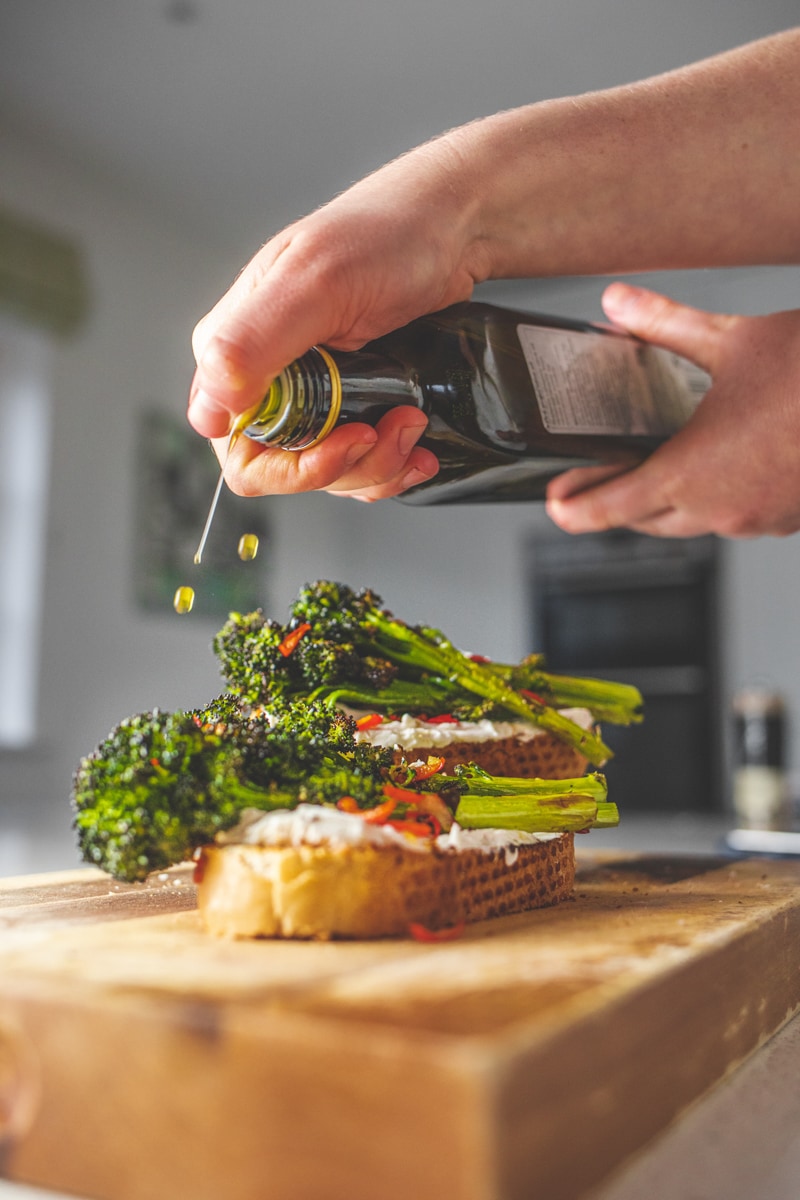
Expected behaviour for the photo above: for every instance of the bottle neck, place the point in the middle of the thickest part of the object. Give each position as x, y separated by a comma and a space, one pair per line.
302, 404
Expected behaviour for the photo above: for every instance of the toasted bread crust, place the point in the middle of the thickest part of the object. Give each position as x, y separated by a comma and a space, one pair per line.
542, 757
370, 892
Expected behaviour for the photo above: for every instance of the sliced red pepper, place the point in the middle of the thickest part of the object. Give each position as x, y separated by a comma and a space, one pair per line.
444, 719
420, 933
400, 795
369, 721
200, 860
479, 658
377, 816
532, 696
348, 804
429, 818
292, 638
425, 820
415, 828
426, 769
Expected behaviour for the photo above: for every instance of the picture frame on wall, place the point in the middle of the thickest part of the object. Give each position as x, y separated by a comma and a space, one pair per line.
176, 475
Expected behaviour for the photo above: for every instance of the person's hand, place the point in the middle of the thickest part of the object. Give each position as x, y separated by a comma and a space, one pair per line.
392, 247
355, 461
733, 469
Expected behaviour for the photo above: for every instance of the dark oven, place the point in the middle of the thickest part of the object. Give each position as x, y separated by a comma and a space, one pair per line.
644, 610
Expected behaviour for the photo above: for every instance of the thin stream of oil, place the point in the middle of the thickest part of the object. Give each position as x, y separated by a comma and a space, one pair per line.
238, 426
248, 543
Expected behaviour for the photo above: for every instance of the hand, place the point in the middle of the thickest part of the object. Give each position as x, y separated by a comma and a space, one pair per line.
392, 247
733, 469
356, 461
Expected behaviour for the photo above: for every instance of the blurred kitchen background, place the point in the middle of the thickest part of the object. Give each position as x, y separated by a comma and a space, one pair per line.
147, 150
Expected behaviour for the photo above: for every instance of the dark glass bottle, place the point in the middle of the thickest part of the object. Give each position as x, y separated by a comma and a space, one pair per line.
512, 398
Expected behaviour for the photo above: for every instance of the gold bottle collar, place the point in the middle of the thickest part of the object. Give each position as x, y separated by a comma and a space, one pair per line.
336, 397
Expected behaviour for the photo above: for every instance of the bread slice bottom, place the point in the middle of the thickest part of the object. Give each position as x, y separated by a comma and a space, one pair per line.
374, 891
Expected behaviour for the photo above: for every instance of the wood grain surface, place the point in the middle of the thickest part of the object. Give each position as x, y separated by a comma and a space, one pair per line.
140, 1058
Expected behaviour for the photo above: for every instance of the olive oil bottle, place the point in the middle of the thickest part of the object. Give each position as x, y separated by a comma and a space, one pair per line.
512, 398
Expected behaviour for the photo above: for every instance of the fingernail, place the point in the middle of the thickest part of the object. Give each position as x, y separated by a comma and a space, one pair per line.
621, 298
359, 449
202, 405
416, 476
408, 437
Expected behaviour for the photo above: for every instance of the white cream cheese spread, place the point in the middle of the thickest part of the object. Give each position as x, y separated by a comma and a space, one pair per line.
316, 825
410, 732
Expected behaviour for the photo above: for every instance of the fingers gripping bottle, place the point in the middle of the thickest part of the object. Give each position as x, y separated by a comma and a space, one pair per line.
512, 399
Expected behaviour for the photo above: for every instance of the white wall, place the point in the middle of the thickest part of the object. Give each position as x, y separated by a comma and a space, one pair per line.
458, 568
103, 657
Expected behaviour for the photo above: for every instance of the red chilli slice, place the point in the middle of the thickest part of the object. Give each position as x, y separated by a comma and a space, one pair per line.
200, 859
369, 721
379, 814
420, 933
289, 643
400, 795
419, 829
427, 769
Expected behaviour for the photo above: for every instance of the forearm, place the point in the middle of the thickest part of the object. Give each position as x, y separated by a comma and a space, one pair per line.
698, 167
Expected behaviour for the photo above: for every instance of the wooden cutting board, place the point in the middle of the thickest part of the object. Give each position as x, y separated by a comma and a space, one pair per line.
140, 1059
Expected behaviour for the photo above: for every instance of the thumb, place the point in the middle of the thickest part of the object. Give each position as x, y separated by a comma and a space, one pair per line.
691, 332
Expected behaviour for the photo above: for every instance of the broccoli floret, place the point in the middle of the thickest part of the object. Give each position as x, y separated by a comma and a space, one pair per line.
143, 798
261, 659
335, 611
226, 709
251, 659
323, 662
162, 784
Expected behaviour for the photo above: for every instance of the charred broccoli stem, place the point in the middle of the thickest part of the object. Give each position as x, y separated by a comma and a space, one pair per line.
162, 783
342, 646
533, 805
617, 703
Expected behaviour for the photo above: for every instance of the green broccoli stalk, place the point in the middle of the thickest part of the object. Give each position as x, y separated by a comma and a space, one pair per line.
345, 648
616, 703
532, 805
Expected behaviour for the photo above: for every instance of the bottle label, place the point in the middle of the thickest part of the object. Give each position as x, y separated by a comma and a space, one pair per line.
597, 383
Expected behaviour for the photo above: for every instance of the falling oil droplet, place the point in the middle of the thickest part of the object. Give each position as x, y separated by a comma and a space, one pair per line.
239, 425
248, 546
184, 600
